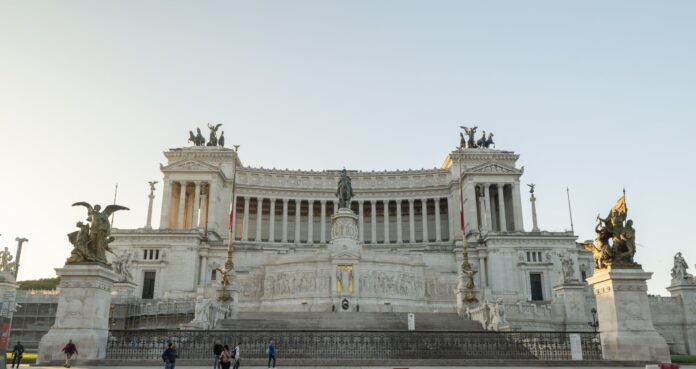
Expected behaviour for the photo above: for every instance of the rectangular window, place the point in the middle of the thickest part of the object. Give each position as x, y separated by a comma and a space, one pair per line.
529, 257
148, 285
144, 254
156, 254
213, 275
535, 284
584, 275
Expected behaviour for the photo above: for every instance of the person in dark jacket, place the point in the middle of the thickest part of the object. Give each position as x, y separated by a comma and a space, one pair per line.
217, 350
17, 354
271, 351
69, 349
169, 356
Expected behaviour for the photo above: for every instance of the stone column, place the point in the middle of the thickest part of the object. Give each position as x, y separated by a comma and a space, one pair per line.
212, 208
82, 314
259, 218
182, 205
310, 221
204, 202
487, 202
399, 227
424, 216
501, 208
452, 217
271, 221
322, 237
535, 227
517, 206
411, 223
245, 221
482, 272
298, 218
625, 321
438, 227
385, 204
196, 204
373, 235
361, 221
284, 237
166, 203
203, 270
335, 207
483, 211
151, 197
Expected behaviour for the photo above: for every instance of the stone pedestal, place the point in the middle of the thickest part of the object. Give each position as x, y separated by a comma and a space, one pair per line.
569, 305
345, 250
82, 314
124, 290
625, 321
8, 294
685, 289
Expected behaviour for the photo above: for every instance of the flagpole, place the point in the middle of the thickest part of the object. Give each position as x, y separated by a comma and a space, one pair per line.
229, 263
570, 211
114, 213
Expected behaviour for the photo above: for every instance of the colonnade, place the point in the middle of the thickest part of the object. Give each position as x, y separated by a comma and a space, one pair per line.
185, 204
499, 207
384, 221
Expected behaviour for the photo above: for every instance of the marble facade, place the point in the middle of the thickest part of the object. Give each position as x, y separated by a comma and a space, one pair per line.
407, 231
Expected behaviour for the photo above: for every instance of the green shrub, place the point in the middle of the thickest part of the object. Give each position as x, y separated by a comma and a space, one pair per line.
39, 284
684, 359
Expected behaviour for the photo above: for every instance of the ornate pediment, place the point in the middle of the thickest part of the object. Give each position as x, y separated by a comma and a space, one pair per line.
494, 168
189, 166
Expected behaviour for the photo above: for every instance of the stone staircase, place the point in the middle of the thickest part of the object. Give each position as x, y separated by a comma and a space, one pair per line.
347, 321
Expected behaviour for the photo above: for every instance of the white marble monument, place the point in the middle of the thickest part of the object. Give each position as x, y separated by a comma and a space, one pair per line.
625, 321
82, 314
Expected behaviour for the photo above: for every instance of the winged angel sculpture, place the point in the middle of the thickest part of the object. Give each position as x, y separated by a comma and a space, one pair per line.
91, 241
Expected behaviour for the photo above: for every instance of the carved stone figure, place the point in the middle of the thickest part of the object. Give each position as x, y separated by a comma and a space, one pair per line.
221, 140
213, 140
567, 270
344, 277
615, 239
121, 266
531, 187
471, 143
224, 277
91, 242
6, 264
680, 267
489, 141
202, 310
345, 190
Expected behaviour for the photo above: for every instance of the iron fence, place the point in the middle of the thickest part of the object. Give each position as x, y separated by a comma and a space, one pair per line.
355, 345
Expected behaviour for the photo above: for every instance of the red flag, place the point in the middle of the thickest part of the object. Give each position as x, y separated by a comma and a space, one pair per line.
461, 220
229, 226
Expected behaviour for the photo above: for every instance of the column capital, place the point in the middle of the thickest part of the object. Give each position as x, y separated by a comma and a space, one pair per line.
410, 201
373, 201
272, 199
246, 198
323, 201
197, 183
310, 201
285, 200
424, 200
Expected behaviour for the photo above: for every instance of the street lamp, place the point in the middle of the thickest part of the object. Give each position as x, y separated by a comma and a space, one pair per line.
594, 323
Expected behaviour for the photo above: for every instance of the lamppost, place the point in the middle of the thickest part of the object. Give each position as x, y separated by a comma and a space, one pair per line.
466, 276
229, 264
594, 323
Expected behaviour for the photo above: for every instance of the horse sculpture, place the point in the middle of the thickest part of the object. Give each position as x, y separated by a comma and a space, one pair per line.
197, 139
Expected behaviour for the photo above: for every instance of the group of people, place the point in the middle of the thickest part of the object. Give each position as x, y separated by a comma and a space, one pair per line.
223, 356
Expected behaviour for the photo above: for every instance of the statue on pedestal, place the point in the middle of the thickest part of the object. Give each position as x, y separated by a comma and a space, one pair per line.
470, 131
615, 242
91, 242
344, 191
213, 140
679, 269
567, 270
6, 264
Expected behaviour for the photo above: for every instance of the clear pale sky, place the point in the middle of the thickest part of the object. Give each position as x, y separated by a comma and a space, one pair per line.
593, 95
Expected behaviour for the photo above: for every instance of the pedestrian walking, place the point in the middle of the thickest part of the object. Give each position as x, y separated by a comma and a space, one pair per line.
236, 355
226, 357
217, 351
169, 356
17, 354
271, 351
70, 351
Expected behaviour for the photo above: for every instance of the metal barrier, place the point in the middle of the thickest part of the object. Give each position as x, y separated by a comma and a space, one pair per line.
355, 345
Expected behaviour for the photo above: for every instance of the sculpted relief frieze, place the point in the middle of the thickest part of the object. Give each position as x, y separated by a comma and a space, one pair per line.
439, 290
290, 284
390, 284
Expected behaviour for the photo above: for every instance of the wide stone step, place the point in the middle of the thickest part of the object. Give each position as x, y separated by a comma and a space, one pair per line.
347, 321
